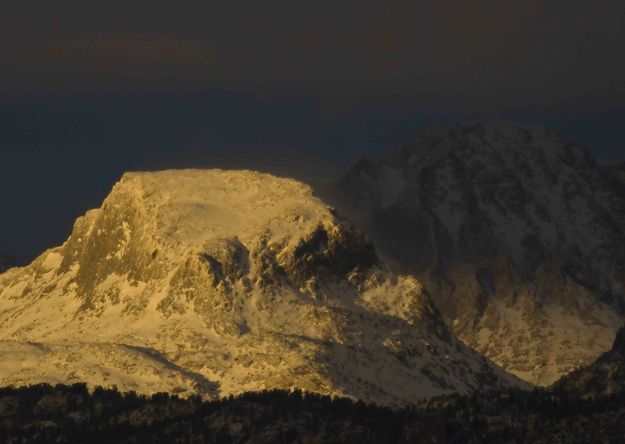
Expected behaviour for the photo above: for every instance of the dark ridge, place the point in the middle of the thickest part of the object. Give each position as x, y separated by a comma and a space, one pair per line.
72, 414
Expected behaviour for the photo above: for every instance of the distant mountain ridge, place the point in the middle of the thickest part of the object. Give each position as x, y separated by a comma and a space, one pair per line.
517, 234
220, 282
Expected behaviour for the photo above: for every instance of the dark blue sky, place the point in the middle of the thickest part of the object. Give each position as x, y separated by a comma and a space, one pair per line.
91, 89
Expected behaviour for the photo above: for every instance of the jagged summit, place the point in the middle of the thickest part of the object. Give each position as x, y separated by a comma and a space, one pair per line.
516, 233
219, 282
505, 139
518, 190
241, 220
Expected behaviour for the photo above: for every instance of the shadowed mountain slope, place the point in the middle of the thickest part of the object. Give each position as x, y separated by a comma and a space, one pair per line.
517, 234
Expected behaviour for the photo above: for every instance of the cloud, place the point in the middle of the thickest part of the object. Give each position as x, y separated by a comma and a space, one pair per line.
110, 62
439, 54
129, 51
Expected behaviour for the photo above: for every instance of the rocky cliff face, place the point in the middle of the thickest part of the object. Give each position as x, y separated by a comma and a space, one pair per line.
220, 282
605, 376
517, 234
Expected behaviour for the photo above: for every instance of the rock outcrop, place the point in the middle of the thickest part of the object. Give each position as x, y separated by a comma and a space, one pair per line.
605, 376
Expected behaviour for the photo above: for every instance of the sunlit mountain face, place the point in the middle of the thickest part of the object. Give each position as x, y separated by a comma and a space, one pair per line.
475, 280
279, 221
215, 282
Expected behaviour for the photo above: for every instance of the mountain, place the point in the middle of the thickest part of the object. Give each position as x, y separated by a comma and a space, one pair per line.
220, 282
618, 171
605, 376
517, 234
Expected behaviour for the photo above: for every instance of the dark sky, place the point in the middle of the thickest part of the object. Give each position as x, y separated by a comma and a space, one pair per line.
91, 89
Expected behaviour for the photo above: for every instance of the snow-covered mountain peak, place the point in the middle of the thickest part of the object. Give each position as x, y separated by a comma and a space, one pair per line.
233, 218
501, 209
224, 281
519, 192
481, 150
510, 142
215, 204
